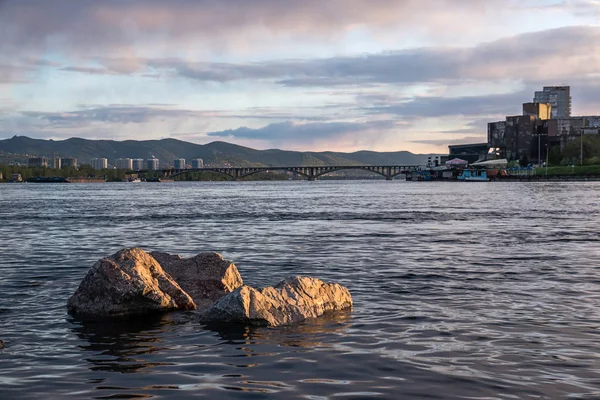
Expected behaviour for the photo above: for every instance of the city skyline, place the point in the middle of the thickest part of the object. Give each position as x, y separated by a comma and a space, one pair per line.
343, 75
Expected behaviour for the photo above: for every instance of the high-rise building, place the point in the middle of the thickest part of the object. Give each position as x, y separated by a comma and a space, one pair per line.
179, 163
99, 163
69, 163
198, 163
138, 164
38, 162
559, 97
152, 164
57, 163
124, 163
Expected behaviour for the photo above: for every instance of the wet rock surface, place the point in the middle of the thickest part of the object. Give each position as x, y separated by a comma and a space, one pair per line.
130, 282
292, 300
206, 277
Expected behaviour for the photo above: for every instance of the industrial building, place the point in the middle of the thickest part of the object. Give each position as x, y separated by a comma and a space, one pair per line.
138, 164
198, 163
99, 163
69, 163
124, 164
544, 124
38, 162
179, 163
152, 164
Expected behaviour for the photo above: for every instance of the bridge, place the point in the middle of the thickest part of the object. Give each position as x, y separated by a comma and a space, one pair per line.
310, 173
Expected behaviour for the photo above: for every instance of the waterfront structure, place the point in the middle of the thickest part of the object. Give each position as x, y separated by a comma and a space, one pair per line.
468, 152
559, 97
138, 164
179, 163
125, 164
152, 164
198, 163
16, 177
69, 163
99, 163
57, 162
38, 162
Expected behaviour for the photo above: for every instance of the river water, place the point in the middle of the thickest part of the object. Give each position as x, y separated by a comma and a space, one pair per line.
466, 291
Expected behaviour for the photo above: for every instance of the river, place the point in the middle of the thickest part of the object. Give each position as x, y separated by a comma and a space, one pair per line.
461, 291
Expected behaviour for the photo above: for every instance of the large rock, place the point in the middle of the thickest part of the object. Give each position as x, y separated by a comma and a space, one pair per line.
206, 277
1, 344
292, 300
127, 283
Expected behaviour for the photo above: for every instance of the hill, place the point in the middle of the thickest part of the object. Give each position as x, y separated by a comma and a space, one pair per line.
18, 148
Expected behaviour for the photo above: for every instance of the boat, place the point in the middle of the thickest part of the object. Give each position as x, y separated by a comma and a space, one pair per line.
473, 175
48, 179
134, 180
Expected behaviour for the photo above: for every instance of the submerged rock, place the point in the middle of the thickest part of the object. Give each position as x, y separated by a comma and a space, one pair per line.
127, 283
206, 277
1, 344
292, 300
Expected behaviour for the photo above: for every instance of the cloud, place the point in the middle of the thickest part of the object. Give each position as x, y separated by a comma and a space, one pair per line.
420, 107
89, 26
550, 55
304, 133
449, 142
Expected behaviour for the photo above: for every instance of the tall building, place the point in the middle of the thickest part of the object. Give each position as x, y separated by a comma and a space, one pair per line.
152, 164
138, 164
99, 163
69, 163
198, 163
179, 163
124, 163
38, 162
57, 162
559, 97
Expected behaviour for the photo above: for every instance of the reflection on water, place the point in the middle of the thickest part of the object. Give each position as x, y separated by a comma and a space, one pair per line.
460, 291
116, 345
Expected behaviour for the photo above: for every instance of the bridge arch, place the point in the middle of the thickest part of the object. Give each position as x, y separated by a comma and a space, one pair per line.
189, 171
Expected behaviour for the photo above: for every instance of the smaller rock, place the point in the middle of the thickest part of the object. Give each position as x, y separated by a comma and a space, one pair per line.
1, 344
206, 277
127, 283
292, 300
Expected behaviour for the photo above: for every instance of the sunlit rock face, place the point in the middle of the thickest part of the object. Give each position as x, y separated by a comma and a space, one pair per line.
292, 300
130, 282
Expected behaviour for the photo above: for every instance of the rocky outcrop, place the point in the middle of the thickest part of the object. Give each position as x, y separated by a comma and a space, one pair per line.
292, 300
127, 283
206, 277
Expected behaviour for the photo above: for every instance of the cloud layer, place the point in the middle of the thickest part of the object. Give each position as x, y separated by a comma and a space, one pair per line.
310, 74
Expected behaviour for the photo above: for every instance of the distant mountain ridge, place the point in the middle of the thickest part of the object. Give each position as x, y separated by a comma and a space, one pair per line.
167, 150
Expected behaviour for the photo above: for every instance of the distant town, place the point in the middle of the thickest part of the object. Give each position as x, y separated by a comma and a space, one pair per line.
544, 134
126, 164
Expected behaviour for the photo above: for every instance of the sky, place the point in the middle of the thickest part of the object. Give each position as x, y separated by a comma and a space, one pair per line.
339, 75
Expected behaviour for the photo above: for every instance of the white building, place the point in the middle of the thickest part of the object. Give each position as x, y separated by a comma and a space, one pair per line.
179, 163
152, 164
138, 164
124, 163
99, 163
198, 163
